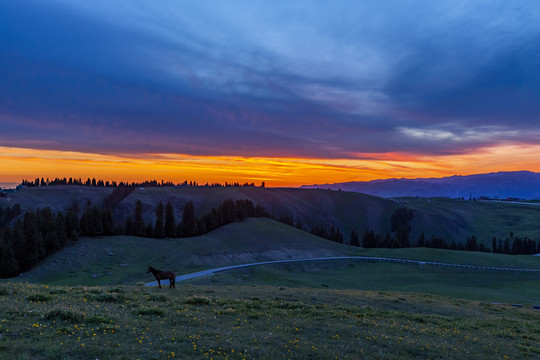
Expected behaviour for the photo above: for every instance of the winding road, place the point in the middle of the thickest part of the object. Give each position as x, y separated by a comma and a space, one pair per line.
210, 272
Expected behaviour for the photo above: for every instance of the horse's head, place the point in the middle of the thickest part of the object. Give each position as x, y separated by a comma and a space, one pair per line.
150, 269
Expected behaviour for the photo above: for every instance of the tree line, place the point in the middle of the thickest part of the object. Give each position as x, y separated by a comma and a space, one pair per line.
37, 182
165, 224
33, 236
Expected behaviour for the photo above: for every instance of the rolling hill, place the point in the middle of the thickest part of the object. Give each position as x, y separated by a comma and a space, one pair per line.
124, 259
450, 219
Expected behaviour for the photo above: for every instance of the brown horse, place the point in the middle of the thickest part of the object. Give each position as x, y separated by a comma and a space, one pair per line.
163, 275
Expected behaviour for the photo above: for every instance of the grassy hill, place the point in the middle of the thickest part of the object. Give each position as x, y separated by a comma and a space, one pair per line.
256, 322
459, 219
124, 259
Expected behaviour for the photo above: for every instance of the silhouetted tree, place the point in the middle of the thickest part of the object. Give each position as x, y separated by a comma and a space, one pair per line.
107, 221
189, 225
72, 222
33, 242
399, 223
421, 240
170, 224
506, 246
150, 231
61, 231
139, 228
472, 244
46, 223
369, 240
8, 261
159, 228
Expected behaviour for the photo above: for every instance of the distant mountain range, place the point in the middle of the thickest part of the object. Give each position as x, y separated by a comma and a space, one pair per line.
502, 185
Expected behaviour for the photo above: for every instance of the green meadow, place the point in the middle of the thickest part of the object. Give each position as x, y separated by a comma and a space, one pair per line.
256, 322
480, 285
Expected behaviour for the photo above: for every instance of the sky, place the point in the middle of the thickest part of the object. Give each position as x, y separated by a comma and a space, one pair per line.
289, 93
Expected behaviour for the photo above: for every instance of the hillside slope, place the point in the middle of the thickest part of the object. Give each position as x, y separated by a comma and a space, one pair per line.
456, 220
58, 198
124, 259
450, 219
345, 210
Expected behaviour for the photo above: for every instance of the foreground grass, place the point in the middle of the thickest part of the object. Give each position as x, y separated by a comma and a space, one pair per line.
256, 322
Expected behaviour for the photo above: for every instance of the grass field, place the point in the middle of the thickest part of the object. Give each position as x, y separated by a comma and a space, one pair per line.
256, 322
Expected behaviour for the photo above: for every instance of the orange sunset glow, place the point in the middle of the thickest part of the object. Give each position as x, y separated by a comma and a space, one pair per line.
20, 163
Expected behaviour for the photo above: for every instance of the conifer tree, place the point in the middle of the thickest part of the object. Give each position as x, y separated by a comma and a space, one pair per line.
8, 261
60, 227
506, 246
421, 240
159, 229
72, 222
170, 224
129, 228
17, 237
228, 212
96, 222
139, 228
369, 240
84, 223
46, 222
33, 242
107, 222
189, 225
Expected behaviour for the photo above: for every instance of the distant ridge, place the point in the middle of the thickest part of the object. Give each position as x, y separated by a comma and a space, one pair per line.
502, 185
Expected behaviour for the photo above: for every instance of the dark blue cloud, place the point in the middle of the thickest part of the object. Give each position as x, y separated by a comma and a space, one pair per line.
247, 78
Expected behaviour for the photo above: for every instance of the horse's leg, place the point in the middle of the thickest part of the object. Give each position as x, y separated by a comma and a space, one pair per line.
159, 283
